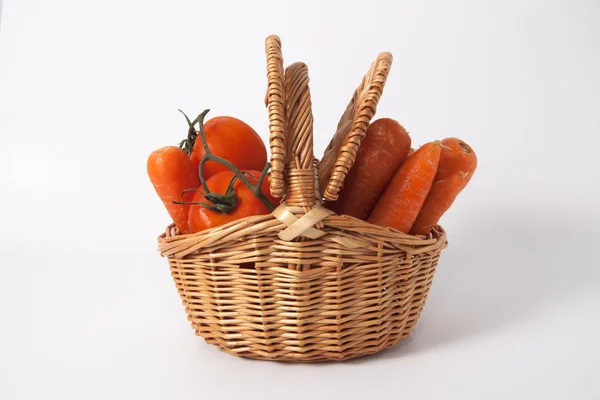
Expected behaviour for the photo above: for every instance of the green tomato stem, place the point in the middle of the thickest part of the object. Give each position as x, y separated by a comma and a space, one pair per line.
222, 203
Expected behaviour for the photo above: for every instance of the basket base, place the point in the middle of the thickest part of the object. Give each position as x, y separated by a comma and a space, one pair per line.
369, 345
308, 358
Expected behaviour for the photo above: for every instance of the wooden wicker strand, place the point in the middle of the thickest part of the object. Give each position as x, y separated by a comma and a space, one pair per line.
341, 152
275, 101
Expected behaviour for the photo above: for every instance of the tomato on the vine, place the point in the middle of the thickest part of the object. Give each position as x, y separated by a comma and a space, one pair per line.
201, 217
233, 140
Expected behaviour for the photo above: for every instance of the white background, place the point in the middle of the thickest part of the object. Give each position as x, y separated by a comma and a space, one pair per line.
89, 89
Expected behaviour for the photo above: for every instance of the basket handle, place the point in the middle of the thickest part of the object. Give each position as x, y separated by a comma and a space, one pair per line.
275, 102
291, 129
341, 151
300, 169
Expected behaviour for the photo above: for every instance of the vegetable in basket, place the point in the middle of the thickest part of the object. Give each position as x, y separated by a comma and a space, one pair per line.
171, 172
201, 189
440, 198
382, 151
401, 202
244, 201
233, 140
457, 165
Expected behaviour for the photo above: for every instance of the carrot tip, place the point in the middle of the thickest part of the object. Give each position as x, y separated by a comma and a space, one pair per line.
465, 147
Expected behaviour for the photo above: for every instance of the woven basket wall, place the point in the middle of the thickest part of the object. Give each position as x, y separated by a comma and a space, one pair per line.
304, 284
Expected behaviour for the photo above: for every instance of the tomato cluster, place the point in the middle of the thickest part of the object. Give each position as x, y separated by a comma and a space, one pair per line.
229, 186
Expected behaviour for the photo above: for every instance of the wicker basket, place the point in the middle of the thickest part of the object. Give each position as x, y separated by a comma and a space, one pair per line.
304, 284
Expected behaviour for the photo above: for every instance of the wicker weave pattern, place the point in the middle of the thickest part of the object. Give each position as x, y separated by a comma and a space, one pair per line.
300, 172
275, 101
241, 294
341, 152
302, 283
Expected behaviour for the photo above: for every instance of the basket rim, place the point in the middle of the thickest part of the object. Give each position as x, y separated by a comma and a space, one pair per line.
419, 243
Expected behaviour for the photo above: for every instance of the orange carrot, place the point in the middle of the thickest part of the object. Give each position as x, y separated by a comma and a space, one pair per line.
456, 156
441, 196
457, 165
402, 200
381, 153
171, 172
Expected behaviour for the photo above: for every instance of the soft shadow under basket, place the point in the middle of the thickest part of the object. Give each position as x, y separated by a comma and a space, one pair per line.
304, 284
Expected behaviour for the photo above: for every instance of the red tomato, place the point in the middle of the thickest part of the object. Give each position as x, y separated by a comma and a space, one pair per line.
201, 218
233, 140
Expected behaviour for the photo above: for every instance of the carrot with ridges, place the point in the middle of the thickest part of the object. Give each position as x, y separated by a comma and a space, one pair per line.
457, 165
401, 202
381, 153
171, 172
441, 196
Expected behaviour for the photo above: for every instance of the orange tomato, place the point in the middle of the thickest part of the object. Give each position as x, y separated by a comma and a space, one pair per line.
233, 140
201, 218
